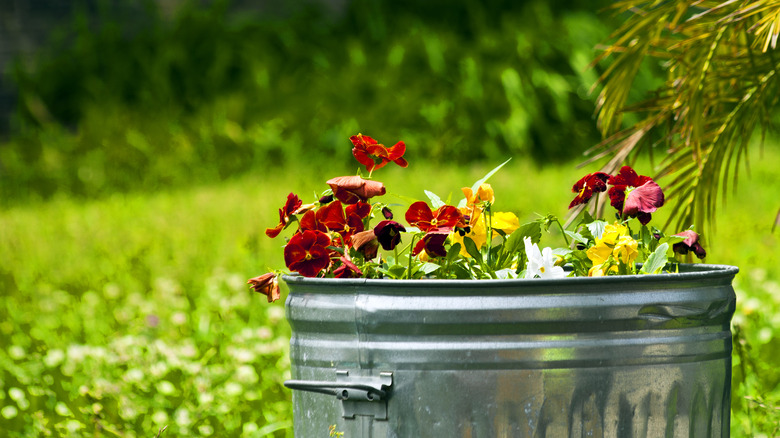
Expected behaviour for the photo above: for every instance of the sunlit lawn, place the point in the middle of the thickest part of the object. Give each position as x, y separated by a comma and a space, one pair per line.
126, 314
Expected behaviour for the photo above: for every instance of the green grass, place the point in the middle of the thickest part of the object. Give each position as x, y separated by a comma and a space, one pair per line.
130, 313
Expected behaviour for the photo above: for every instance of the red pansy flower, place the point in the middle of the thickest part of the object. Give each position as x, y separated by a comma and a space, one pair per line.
347, 269
292, 204
389, 234
374, 155
634, 195
308, 253
587, 186
446, 217
266, 284
691, 243
345, 221
310, 221
433, 243
354, 189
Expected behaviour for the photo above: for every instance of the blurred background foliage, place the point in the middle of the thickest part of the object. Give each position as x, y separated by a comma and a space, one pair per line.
127, 97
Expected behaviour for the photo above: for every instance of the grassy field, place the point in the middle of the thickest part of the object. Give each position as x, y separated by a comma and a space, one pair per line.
127, 314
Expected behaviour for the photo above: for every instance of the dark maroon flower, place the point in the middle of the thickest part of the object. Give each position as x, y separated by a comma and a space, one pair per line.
387, 213
389, 234
354, 189
587, 186
266, 284
292, 204
433, 244
445, 217
691, 243
347, 269
308, 253
634, 195
327, 199
374, 155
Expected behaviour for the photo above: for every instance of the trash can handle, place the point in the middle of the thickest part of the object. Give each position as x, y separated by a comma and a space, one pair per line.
359, 395
346, 387
342, 390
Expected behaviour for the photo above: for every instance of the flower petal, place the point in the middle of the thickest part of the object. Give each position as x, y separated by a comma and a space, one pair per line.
645, 199
419, 213
354, 189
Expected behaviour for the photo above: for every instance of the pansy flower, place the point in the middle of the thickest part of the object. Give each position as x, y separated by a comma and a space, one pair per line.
388, 233
421, 216
310, 221
345, 221
587, 186
366, 243
374, 155
354, 189
616, 243
541, 263
634, 195
266, 284
475, 201
691, 243
432, 243
504, 221
308, 253
291, 206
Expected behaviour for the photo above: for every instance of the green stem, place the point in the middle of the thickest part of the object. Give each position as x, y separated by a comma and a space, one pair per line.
563, 232
489, 233
411, 247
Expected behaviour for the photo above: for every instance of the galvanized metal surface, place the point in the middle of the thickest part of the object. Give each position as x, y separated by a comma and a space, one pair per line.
629, 356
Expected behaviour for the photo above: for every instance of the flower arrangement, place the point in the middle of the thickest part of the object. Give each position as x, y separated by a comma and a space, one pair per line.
333, 236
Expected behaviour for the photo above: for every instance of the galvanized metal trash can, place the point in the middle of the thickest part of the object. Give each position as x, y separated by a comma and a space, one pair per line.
622, 356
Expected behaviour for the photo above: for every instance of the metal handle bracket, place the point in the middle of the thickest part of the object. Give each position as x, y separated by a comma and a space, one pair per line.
359, 395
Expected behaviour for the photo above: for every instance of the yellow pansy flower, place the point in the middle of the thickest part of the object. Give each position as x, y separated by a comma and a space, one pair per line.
626, 250
504, 221
614, 242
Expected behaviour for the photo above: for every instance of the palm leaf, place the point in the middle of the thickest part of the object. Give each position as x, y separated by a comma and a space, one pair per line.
721, 88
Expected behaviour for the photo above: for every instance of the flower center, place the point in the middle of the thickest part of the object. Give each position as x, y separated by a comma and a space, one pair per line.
308, 256
541, 269
434, 221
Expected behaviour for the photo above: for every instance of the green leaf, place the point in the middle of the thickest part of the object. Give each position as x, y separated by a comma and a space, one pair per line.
436, 201
577, 237
489, 174
514, 242
453, 252
657, 260
461, 271
532, 230
428, 268
472, 249
596, 228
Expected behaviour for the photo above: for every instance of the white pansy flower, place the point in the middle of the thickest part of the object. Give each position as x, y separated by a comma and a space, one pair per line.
541, 263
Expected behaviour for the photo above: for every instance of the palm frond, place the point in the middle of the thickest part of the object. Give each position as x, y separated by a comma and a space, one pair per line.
721, 87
